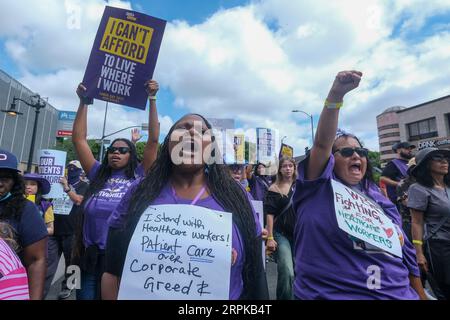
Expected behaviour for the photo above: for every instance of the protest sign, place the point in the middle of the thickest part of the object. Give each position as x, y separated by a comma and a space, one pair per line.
178, 252
52, 164
239, 151
62, 205
123, 57
286, 151
259, 209
362, 218
265, 144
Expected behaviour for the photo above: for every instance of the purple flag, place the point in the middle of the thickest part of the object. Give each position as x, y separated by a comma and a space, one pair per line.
123, 57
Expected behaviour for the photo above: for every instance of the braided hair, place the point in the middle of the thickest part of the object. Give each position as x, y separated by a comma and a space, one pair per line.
227, 192
97, 184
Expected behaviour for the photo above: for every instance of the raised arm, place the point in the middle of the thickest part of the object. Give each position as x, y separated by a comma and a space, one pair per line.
344, 82
151, 148
79, 133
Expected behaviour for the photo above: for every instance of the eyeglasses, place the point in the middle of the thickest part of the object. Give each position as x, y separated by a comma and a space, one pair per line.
348, 152
439, 158
122, 150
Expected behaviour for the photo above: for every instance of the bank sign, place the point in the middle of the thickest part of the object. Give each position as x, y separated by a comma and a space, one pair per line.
441, 143
65, 123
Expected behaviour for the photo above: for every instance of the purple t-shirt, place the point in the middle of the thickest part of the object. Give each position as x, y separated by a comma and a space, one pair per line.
118, 218
329, 264
100, 206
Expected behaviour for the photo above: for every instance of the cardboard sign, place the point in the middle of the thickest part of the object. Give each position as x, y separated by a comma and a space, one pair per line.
52, 165
178, 252
123, 57
362, 218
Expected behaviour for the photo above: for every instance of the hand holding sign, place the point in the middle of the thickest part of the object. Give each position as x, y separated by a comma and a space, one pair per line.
344, 82
81, 93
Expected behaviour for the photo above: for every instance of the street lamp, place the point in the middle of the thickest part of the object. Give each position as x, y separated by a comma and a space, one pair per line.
312, 124
37, 105
282, 139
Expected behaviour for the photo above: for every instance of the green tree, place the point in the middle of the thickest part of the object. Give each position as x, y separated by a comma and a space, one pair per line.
65, 144
374, 158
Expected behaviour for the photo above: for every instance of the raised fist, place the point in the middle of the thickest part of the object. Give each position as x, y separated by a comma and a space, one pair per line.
152, 87
344, 82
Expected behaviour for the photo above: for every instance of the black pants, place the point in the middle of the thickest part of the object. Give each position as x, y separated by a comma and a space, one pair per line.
438, 258
57, 245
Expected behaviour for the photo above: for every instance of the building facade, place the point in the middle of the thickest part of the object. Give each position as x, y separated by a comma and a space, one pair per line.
16, 131
424, 125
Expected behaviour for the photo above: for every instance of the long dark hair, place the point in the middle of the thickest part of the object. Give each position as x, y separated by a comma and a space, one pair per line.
424, 177
14, 206
97, 184
368, 176
227, 192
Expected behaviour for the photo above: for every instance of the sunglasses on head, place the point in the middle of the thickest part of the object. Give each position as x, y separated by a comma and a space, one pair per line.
122, 150
348, 152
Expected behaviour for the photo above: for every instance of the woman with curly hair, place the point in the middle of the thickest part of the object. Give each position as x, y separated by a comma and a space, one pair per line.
29, 228
204, 183
109, 181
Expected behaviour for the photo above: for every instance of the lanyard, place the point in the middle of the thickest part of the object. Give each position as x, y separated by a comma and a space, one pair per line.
197, 197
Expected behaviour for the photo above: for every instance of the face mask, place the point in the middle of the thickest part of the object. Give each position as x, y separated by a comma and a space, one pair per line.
6, 196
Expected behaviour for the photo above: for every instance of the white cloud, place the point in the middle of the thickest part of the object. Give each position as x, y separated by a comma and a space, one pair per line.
254, 63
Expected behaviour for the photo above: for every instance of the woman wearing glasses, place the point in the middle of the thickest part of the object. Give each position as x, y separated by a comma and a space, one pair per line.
332, 261
429, 204
109, 181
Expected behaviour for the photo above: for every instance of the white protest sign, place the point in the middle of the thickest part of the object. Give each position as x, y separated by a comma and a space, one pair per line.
178, 252
62, 205
361, 218
259, 209
52, 164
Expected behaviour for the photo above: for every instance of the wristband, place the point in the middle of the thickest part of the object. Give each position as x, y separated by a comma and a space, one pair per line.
333, 105
270, 238
152, 97
68, 190
419, 242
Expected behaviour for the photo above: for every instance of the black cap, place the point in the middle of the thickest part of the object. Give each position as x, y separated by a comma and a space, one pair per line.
403, 145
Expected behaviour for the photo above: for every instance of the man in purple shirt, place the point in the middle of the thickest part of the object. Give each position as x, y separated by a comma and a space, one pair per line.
396, 169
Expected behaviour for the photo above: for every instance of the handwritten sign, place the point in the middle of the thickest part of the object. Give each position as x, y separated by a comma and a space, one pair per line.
123, 57
62, 205
51, 166
178, 252
362, 218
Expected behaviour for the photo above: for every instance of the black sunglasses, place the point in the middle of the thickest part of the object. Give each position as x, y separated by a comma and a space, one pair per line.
348, 152
122, 150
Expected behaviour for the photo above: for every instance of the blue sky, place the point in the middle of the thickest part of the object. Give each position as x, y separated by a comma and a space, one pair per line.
253, 61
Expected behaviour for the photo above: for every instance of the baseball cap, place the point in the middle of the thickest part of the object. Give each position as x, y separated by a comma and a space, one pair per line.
404, 145
76, 163
8, 160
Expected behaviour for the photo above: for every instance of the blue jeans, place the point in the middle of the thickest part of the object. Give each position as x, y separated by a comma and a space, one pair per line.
285, 267
90, 287
91, 282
